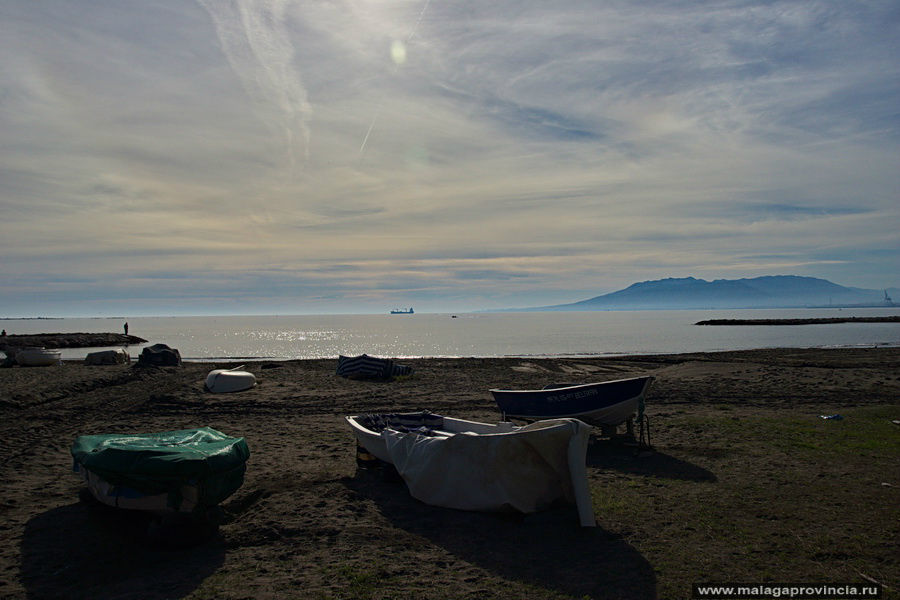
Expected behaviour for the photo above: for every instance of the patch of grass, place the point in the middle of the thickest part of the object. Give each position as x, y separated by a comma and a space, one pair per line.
360, 582
608, 504
865, 430
791, 497
861, 430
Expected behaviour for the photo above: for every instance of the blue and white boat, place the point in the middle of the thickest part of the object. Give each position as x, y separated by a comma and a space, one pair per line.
603, 403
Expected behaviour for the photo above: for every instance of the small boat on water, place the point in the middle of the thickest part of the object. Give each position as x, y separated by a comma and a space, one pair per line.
402, 311
469, 465
37, 357
605, 403
185, 471
223, 381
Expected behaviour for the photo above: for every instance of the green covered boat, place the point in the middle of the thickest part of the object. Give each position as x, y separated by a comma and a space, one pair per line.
189, 470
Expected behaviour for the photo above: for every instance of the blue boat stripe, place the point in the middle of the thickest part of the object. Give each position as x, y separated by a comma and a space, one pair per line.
569, 401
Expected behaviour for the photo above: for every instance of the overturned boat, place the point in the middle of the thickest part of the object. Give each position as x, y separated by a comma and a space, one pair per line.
607, 403
185, 471
469, 465
108, 357
223, 381
37, 357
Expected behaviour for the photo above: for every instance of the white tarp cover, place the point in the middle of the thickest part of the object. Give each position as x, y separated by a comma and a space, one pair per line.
107, 357
526, 470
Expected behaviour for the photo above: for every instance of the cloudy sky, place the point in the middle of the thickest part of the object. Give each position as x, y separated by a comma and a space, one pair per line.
276, 156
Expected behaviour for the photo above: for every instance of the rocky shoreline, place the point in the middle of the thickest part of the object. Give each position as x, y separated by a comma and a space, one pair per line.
822, 321
69, 340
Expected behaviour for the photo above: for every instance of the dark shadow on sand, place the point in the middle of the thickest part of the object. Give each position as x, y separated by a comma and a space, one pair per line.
615, 456
547, 550
91, 551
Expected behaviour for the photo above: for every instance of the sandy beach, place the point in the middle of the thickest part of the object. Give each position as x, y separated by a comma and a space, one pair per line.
747, 483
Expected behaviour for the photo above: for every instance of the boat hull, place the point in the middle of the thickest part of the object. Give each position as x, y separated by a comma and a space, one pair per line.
127, 498
468, 465
224, 381
603, 403
38, 357
108, 357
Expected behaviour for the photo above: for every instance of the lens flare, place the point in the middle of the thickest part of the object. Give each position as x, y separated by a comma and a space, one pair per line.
398, 52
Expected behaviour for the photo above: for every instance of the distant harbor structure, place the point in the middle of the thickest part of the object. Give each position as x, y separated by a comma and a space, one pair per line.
402, 311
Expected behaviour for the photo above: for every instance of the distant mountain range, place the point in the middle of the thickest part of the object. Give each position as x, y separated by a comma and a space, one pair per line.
778, 291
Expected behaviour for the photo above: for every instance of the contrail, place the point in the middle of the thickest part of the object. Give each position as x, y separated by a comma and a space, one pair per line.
419, 20
371, 127
396, 66
258, 48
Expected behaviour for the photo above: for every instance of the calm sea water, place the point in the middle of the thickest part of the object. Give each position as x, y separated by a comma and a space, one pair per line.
600, 333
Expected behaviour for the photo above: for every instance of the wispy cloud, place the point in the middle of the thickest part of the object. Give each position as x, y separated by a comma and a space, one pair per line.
260, 50
455, 155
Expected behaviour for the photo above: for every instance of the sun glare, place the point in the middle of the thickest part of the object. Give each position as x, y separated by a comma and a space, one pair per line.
398, 52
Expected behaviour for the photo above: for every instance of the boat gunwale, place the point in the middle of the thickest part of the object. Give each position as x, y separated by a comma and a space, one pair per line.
357, 426
649, 379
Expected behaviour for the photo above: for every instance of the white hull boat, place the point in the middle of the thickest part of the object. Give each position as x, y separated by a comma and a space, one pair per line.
108, 357
223, 381
469, 465
38, 357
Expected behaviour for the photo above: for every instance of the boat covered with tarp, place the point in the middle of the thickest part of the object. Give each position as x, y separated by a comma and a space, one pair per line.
159, 355
189, 470
370, 367
467, 465
108, 357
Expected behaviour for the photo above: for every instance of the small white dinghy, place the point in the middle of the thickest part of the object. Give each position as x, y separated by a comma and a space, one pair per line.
38, 357
223, 381
468, 465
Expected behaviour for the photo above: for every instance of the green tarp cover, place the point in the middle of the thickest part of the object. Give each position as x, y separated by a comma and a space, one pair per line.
154, 463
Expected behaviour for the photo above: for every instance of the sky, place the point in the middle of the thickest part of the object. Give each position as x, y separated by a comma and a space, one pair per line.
169, 157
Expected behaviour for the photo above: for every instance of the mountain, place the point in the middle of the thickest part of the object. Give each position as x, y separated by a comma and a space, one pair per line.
778, 291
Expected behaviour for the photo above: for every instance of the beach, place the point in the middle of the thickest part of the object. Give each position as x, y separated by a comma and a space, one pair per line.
746, 483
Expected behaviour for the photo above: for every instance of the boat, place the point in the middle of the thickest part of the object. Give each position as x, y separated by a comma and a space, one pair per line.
222, 381
370, 367
108, 357
607, 403
402, 311
468, 465
184, 471
37, 357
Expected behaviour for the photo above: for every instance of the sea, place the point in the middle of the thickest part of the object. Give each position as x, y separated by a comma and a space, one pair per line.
501, 334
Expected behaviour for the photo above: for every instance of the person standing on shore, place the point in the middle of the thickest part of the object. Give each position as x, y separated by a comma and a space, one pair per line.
126, 327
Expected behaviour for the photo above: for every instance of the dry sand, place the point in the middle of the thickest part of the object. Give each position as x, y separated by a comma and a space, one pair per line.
736, 489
